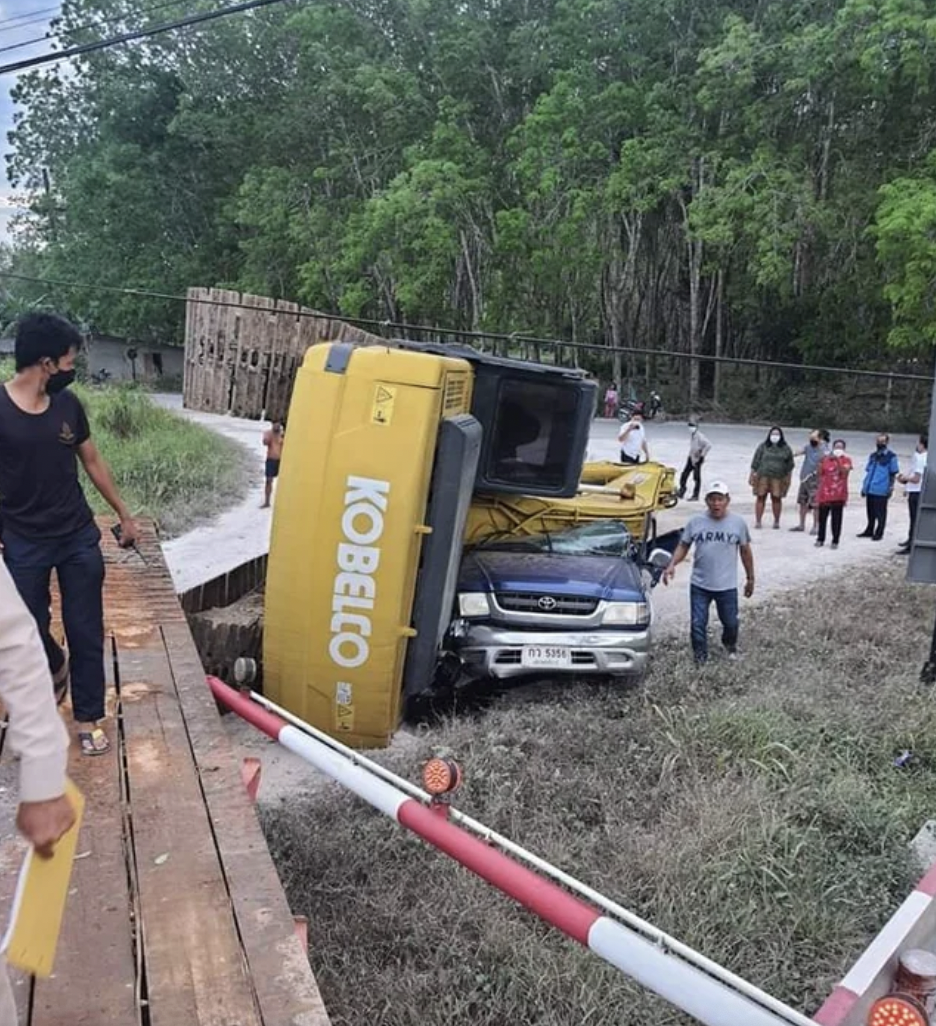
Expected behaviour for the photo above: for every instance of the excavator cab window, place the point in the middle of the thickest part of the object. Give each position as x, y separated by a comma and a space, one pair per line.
533, 436
536, 420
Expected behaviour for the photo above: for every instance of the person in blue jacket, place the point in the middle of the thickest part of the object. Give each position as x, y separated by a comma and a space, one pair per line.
878, 485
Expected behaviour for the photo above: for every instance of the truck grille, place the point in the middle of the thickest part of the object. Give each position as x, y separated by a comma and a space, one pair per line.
545, 605
513, 657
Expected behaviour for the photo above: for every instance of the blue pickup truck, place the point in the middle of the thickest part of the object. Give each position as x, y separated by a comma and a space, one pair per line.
575, 603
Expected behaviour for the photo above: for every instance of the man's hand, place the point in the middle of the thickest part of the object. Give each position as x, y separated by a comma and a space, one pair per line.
749, 587
129, 533
668, 574
43, 823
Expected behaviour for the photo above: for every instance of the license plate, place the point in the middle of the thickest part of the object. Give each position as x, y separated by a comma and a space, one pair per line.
545, 657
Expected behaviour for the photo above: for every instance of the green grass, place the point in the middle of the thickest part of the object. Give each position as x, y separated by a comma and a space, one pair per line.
752, 810
167, 468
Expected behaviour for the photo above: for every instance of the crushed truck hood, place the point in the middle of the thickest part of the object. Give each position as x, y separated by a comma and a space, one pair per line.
612, 578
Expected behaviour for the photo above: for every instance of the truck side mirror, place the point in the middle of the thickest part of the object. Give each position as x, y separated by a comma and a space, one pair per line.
660, 559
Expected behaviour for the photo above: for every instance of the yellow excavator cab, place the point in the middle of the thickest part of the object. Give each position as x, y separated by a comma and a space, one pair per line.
348, 530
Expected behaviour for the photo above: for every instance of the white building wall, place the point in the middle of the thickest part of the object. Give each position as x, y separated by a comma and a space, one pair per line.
152, 362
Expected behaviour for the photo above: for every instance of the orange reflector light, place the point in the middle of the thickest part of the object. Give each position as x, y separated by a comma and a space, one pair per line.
440, 776
897, 1010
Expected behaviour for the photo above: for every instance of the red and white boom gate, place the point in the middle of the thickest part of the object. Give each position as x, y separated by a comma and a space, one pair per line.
685, 978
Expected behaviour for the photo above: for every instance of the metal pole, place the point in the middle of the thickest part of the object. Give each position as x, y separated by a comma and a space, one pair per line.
922, 565
699, 993
928, 673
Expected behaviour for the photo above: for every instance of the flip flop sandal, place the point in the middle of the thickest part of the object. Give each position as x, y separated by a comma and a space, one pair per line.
93, 742
61, 681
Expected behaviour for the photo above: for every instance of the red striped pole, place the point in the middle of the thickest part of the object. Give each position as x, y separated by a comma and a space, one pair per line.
871, 977
709, 1000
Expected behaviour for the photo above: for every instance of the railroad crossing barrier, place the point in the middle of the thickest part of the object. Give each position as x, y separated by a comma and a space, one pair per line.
684, 977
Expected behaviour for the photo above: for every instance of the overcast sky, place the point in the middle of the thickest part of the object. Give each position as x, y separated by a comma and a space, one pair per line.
20, 21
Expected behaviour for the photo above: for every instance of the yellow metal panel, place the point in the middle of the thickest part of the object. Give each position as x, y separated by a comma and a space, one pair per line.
611, 491
346, 536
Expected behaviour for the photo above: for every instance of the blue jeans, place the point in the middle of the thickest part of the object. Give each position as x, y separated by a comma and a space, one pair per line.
79, 566
726, 605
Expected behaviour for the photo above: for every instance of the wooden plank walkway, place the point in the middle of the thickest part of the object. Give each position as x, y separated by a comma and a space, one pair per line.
176, 915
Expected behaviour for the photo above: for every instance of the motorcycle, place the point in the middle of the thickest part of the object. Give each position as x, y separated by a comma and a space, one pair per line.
652, 408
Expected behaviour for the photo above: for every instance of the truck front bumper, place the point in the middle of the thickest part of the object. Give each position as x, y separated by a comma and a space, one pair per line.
490, 651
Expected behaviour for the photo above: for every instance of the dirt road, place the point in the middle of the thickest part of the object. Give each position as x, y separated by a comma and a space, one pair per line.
783, 560
233, 537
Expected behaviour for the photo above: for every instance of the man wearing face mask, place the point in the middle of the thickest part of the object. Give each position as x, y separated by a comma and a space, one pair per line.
913, 486
46, 523
633, 438
878, 485
699, 447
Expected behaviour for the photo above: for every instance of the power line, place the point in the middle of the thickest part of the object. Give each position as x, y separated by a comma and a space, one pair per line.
513, 337
32, 21
128, 37
103, 23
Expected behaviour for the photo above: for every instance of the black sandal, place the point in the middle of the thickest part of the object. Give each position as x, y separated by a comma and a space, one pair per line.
93, 742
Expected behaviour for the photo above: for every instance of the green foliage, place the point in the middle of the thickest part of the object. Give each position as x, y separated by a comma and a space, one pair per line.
696, 177
165, 467
905, 232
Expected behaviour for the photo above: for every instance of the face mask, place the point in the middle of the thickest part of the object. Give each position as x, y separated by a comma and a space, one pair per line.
692, 428
775, 439
838, 453
881, 446
813, 442
59, 381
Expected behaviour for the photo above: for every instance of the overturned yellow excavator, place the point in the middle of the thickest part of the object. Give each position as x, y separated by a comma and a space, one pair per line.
395, 459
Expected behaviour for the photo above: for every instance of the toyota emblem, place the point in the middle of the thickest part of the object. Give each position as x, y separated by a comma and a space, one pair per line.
547, 603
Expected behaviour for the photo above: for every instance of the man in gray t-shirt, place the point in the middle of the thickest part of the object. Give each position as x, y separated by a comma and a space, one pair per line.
719, 538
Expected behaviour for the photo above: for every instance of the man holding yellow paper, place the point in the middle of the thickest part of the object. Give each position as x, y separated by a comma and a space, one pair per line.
36, 734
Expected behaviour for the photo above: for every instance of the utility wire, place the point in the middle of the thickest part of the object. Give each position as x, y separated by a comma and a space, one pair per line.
29, 14
128, 37
103, 23
514, 337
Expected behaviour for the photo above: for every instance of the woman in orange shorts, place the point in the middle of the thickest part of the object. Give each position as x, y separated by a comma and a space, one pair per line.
771, 470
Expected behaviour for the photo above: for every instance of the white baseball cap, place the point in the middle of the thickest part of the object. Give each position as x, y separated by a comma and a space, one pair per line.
717, 488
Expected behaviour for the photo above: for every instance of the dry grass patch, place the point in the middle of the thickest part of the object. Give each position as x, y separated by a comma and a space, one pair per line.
753, 810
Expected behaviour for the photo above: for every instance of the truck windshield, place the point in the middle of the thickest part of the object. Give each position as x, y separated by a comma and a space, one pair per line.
602, 538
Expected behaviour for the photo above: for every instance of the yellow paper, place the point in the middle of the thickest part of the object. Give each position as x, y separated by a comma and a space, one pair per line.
39, 902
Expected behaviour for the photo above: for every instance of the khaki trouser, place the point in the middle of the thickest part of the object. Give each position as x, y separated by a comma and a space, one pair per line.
7, 1005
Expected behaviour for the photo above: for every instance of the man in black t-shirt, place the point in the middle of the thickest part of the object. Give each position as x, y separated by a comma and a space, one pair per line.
46, 523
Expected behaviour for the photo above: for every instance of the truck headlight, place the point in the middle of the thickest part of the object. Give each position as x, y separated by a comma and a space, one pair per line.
627, 614
474, 603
